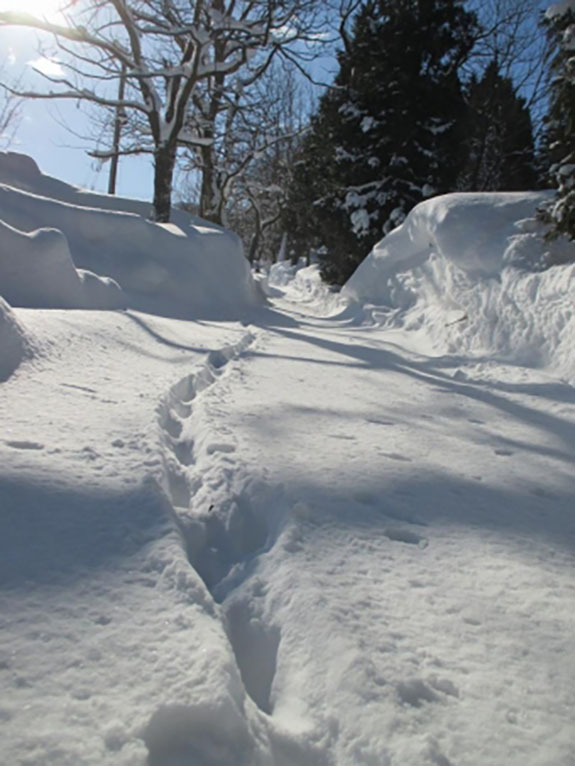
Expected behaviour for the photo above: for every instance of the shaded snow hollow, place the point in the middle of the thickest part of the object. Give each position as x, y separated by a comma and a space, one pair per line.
306, 541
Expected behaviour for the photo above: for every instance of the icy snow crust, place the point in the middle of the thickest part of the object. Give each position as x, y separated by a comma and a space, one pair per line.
305, 541
185, 268
464, 271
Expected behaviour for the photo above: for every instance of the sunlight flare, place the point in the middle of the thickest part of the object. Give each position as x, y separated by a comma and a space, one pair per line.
49, 10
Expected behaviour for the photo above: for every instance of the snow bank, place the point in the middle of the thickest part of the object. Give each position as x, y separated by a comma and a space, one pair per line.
304, 285
187, 268
37, 270
14, 344
469, 272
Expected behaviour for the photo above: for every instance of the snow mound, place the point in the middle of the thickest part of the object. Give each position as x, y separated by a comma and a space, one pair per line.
471, 273
37, 270
14, 344
187, 268
304, 285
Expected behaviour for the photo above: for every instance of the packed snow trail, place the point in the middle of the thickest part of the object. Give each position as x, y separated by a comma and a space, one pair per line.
295, 544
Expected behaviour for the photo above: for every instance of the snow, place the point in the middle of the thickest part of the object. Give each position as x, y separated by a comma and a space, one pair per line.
304, 286
189, 267
559, 9
36, 269
464, 272
311, 537
14, 343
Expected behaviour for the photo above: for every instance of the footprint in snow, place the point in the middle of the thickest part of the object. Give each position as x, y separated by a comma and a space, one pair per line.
402, 535
24, 444
379, 422
396, 456
220, 447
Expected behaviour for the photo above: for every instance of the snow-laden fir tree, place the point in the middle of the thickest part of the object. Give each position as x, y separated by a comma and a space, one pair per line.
499, 141
386, 134
560, 21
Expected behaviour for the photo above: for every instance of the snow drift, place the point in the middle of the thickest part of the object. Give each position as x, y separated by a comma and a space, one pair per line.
37, 270
303, 284
189, 267
472, 272
14, 343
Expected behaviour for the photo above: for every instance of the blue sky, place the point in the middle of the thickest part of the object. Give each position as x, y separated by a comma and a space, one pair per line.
47, 129
43, 133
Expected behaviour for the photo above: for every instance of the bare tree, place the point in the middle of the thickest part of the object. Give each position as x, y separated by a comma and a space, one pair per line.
166, 51
10, 111
259, 193
510, 35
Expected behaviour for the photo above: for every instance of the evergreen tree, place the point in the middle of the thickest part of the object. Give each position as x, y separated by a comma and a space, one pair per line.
499, 144
560, 20
386, 134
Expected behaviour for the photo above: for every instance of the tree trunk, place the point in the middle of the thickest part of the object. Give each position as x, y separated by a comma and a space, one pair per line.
210, 208
118, 121
256, 236
164, 162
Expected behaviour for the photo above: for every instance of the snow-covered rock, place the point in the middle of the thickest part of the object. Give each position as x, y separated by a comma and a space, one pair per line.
471, 272
188, 267
14, 344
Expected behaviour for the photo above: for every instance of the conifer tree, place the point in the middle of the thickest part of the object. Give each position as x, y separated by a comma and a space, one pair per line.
560, 20
499, 143
386, 134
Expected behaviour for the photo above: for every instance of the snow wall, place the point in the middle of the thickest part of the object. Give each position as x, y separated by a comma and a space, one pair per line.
471, 272
189, 267
14, 342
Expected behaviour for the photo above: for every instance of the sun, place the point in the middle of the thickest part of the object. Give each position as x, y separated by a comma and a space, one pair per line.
49, 10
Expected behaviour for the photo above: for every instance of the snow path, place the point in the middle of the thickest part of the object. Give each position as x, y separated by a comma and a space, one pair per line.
381, 549
414, 600
102, 619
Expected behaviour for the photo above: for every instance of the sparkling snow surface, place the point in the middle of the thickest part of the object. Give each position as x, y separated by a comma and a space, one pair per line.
297, 543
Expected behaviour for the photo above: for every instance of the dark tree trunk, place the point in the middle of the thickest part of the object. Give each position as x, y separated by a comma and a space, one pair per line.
210, 207
256, 237
164, 162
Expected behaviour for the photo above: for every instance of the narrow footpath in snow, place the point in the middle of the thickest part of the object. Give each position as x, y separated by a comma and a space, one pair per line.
317, 546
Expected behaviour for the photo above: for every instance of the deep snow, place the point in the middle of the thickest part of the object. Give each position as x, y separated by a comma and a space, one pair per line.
468, 273
49, 229
323, 538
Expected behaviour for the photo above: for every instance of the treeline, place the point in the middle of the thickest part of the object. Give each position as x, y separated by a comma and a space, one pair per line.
405, 121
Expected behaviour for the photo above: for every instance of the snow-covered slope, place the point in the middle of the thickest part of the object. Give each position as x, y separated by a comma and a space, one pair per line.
468, 271
14, 342
188, 267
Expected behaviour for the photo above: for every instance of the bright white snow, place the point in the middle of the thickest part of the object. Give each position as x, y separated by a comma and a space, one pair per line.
317, 540
465, 272
186, 268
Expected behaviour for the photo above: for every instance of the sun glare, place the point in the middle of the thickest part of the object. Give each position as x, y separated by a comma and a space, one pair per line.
43, 9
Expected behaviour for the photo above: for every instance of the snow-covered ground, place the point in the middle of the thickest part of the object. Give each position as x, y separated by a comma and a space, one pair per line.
331, 536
